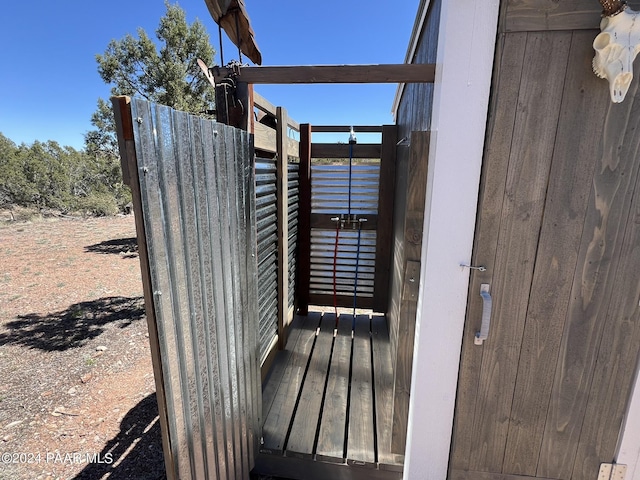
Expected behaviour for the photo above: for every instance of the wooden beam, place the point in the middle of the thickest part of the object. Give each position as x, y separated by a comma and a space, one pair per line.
263, 104
384, 241
400, 73
341, 150
347, 128
413, 225
282, 204
304, 221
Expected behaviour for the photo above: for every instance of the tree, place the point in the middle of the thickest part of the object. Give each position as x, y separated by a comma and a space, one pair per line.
169, 76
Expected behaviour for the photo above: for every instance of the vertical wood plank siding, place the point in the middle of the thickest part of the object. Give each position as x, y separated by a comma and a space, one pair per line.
558, 231
413, 115
197, 189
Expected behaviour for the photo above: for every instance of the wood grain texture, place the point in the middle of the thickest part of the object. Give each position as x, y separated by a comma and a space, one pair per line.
304, 469
273, 377
383, 374
510, 62
400, 73
384, 238
618, 352
341, 150
575, 154
331, 435
303, 430
413, 224
264, 138
539, 15
592, 290
466, 475
279, 416
594, 287
282, 204
303, 263
360, 446
347, 128
541, 87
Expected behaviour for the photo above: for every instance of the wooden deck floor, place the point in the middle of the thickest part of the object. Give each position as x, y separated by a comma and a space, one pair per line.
328, 398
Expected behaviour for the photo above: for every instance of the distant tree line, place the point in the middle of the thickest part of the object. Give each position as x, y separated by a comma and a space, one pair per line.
45, 175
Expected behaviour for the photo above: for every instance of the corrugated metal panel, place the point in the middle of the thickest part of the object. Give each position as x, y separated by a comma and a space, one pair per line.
197, 184
294, 200
330, 189
266, 214
330, 196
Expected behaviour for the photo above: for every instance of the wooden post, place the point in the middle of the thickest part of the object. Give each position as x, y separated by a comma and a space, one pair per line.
282, 204
304, 221
124, 128
384, 239
413, 225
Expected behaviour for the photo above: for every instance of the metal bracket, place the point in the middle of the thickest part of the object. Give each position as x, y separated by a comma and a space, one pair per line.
612, 471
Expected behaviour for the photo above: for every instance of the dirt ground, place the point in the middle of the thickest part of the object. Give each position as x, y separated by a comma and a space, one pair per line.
77, 394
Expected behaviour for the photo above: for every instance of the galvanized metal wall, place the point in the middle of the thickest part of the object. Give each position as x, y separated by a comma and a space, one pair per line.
197, 187
330, 196
294, 201
266, 215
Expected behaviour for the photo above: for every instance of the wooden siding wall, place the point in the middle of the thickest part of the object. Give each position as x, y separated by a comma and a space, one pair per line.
413, 115
559, 232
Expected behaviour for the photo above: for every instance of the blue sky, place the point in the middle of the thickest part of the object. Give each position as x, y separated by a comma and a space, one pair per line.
49, 83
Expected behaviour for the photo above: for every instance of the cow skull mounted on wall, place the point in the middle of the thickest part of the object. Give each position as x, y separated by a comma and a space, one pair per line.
616, 47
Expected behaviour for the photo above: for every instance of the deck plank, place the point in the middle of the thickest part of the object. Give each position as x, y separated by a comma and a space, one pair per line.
277, 420
303, 430
360, 445
274, 377
331, 436
383, 375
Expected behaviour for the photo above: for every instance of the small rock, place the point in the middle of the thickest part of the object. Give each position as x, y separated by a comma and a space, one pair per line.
85, 378
6, 438
72, 391
48, 393
101, 348
13, 424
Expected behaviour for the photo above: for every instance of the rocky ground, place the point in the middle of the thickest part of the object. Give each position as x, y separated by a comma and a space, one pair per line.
77, 393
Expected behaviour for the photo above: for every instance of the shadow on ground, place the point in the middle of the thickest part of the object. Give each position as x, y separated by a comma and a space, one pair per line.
73, 327
136, 451
127, 247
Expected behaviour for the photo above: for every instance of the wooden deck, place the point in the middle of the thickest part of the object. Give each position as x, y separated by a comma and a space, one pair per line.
327, 401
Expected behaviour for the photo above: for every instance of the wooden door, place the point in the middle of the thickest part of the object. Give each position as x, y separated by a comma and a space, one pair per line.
559, 232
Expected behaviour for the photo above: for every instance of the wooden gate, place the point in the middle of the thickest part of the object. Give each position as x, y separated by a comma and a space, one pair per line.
331, 249
193, 189
559, 233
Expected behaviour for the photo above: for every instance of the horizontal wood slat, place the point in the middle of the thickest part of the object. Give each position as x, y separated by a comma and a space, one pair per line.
330, 150
400, 73
347, 128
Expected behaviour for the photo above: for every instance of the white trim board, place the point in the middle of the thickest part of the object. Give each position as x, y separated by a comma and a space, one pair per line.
464, 66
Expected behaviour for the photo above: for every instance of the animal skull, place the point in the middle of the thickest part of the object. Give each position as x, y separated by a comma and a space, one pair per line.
616, 47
